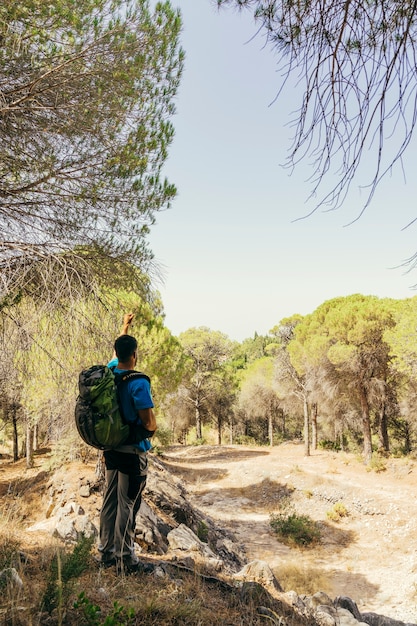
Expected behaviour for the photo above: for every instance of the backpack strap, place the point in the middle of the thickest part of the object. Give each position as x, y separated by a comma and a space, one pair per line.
137, 431
128, 375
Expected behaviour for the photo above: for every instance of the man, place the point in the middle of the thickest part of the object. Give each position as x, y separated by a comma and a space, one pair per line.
126, 466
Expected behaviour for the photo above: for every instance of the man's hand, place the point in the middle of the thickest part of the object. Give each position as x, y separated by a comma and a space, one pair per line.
127, 322
128, 318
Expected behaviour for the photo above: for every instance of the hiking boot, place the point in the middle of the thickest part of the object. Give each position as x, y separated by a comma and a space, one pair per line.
132, 565
105, 559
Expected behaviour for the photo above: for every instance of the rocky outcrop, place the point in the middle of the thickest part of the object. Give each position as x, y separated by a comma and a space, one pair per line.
174, 534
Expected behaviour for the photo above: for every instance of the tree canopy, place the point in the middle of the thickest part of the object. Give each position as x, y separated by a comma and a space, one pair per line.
355, 62
86, 97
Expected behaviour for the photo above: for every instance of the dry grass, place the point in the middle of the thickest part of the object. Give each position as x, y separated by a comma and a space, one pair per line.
337, 512
302, 579
42, 591
99, 597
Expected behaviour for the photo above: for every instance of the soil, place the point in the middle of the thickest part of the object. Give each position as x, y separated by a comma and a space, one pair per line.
369, 555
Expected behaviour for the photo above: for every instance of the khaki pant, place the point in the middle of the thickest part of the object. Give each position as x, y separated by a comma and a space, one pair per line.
125, 482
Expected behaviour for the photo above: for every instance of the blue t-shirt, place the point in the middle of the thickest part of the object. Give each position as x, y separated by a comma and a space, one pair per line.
135, 396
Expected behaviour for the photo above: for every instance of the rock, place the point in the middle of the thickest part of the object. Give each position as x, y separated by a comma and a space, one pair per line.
372, 619
10, 575
71, 526
168, 498
184, 539
169, 523
345, 618
350, 605
260, 572
326, 616
147, 531
65, 529
47, 526
85, 491
320, 598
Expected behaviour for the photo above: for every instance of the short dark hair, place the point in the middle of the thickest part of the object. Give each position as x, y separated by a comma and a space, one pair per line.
125, 346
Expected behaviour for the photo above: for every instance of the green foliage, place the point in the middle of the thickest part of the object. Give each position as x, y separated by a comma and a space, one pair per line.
206, 375
160, 354
65, 568
202, 531
88, 91
92, 614
163, 437
327, 444
89, 611
251, 350
245, 440
259, 400
295, 529
47, 364
199, 442
377, 463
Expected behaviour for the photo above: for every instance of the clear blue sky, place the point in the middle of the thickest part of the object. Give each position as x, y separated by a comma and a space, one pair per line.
234, 258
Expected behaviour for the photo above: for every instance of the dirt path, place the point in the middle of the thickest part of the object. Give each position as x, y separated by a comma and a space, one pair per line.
370, 555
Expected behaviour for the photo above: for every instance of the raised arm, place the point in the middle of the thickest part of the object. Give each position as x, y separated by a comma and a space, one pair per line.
127, 322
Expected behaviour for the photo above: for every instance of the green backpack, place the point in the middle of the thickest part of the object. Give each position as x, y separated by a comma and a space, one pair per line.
98, 416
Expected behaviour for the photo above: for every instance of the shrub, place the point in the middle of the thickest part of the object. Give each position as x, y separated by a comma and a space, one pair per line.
327, 444
120, 616
162, 437
202, 531
377, 463
337, 512
296, 529
63, 569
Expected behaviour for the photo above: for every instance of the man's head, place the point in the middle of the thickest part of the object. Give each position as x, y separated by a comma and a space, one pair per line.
125, 347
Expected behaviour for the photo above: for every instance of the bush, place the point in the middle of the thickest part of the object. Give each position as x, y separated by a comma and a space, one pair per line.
296, 529
91, 613
327, 444
162, 437
337, 512
63, 569
202, 531
378, 463
245, 440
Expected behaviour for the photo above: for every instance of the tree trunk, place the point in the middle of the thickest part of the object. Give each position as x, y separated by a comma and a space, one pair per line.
15, 435
219, 431
366, 427
306, 429
270, 429
231, 430
198, 430
29, 444
407, 438
314, 412
35, 437
383, 430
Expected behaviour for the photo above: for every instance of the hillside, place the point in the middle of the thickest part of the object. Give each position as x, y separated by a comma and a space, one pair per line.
368, 555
